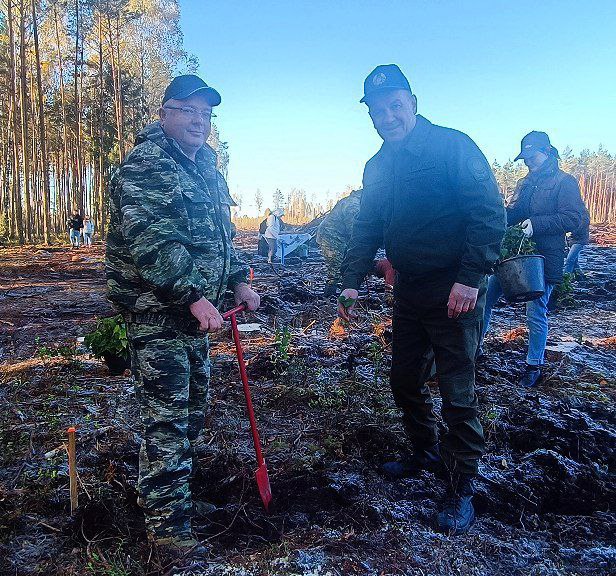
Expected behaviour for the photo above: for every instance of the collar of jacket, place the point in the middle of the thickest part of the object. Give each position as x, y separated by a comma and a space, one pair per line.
205, 158
415, 142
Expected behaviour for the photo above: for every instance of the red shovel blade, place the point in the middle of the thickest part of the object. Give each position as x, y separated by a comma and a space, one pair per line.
264, 485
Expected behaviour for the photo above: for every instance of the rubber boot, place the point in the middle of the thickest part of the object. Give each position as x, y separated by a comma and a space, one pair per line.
428, 459
457, 514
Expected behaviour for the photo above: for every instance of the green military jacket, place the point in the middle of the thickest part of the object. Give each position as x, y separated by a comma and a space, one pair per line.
337, 226
169, 237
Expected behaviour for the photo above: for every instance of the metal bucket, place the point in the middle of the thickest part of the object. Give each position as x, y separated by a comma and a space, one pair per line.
521, 277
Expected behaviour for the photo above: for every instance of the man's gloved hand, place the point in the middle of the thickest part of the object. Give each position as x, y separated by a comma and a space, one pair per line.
244, 294
527, 228
346, 303
384, 269
208, 316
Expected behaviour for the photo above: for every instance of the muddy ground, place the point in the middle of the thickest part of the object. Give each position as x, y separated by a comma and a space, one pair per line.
546, 498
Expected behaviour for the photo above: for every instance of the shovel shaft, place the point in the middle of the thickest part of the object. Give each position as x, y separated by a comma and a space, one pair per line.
240, 358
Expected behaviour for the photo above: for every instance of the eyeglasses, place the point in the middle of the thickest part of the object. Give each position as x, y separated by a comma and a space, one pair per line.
192, 112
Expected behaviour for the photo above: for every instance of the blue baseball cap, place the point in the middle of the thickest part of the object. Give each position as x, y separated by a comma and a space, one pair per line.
383, 78
182, 87
536, 142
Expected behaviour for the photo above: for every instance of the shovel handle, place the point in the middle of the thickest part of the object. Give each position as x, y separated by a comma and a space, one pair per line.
233, 311
240, 359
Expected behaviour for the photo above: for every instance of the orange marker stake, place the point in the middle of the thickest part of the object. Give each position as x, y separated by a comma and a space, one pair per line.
251, 277
72, 470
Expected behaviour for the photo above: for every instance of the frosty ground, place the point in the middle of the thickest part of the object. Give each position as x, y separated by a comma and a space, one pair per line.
546, 498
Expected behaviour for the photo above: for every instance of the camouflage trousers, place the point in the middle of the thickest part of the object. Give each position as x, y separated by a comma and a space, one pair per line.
333, 250
172, 373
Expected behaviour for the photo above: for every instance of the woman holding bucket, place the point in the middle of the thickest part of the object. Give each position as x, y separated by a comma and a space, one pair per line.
547, 204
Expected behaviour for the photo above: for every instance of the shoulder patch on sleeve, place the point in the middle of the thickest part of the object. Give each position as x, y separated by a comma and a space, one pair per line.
479, 168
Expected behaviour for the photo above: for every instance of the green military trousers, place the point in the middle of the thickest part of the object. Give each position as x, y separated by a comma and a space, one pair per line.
419, 322
172, 373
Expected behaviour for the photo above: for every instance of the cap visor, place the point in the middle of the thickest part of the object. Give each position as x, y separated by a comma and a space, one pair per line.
381, 90
524, 154
212, 95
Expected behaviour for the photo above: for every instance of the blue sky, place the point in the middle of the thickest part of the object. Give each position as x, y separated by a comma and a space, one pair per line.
291, 76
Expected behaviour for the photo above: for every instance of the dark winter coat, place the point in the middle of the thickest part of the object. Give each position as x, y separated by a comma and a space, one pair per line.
436, 205
582, 234
75, 223
551, 199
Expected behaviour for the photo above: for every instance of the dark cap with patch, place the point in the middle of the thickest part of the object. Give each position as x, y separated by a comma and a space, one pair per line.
182, 87
383, 78
536, 142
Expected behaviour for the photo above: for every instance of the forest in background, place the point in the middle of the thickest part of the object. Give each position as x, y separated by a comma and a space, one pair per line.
79, 79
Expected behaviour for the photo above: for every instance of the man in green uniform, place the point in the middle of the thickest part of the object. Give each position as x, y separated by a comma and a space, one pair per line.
430, 195
169, 262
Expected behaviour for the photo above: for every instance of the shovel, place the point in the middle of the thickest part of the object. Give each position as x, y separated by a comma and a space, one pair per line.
261, 474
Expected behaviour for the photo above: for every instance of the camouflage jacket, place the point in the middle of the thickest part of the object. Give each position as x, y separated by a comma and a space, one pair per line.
169, 238
337, 226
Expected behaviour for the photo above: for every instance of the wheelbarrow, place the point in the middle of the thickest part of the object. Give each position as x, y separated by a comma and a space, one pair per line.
261, 476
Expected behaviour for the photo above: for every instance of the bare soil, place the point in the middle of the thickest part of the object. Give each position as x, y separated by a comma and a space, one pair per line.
546, 495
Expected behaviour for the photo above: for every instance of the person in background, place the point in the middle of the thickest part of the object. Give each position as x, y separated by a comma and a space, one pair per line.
262, 246
333, 236
88, 231
75, 224
274, 227
548, 204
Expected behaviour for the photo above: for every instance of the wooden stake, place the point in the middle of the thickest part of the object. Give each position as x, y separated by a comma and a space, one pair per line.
72, 470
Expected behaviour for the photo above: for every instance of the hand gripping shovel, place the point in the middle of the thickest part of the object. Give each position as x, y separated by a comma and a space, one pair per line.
261, 475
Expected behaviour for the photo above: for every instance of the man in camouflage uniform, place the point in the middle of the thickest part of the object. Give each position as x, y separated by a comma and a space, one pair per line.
169, 262
333, 236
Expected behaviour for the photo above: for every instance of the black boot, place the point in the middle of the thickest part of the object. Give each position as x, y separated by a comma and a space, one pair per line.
458, 514
428, 459
183, 551
531, 377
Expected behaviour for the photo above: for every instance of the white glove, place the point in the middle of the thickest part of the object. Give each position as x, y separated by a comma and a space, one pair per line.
527, 228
